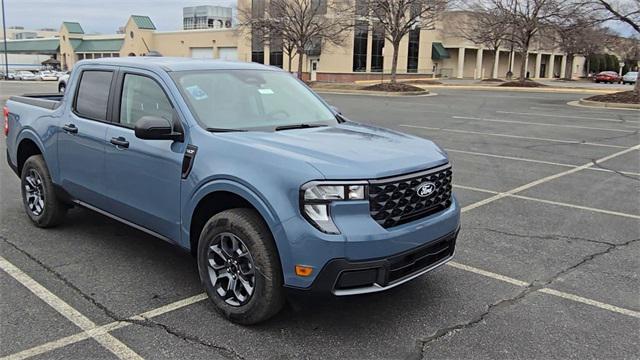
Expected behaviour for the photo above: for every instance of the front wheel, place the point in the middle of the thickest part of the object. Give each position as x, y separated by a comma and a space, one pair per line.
38, 196
239, 266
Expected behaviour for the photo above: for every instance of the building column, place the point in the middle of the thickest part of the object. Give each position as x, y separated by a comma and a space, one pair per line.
526, 64
460, 73
512, 61
563, 66
496, 63
538, 65
370, 49
552, 66
479, 64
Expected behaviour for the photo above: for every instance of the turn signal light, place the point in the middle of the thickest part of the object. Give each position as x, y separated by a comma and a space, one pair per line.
5, 112
304, 271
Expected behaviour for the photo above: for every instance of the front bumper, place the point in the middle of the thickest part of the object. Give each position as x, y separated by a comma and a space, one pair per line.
341, 277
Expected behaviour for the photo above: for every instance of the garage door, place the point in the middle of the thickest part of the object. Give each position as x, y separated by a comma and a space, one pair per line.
202, 53
228, 53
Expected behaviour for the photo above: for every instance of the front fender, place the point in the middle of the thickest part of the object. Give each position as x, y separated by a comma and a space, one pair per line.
255, 199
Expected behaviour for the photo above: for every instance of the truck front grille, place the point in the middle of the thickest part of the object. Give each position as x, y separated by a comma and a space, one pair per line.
395, 201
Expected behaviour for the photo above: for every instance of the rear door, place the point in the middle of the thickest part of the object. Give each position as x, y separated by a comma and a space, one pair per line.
81, 140
143, 176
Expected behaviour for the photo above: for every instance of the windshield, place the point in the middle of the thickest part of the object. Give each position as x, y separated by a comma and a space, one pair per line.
251, 100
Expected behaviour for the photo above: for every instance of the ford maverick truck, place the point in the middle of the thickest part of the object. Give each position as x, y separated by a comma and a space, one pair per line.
269, 187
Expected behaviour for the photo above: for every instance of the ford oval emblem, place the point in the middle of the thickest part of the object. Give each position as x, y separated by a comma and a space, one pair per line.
425, 189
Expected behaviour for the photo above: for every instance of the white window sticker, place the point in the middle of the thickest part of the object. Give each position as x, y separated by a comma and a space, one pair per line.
265, 91
196, 92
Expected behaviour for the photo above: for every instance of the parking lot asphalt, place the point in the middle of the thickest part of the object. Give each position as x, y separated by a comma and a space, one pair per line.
546, 264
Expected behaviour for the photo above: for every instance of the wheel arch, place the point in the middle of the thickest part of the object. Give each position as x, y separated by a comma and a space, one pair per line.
26, 148
219, 196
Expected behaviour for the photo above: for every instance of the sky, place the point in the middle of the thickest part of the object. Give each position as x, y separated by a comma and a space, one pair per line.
99, 16
106, 16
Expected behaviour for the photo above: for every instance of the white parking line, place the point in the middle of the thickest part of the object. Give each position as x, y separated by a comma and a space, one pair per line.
591, 302
104, 329
112, 344
567, 116
537, 161
564, 141
543, 124
587, 208
544, 180
548, 291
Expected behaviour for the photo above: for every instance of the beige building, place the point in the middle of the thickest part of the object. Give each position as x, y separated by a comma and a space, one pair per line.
364, 55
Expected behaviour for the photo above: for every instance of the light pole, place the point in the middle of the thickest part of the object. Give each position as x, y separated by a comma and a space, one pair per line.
4, 33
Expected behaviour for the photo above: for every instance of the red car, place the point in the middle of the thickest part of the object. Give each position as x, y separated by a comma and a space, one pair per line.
608, 77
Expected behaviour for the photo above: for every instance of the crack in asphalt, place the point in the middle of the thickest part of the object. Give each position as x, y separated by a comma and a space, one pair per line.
226, 352
544, 237
149, 323
423, 344
599, 165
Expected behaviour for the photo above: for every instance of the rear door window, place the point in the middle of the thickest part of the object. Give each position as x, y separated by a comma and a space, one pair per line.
92, 98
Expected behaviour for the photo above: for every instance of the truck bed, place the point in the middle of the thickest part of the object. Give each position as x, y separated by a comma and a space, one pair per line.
49, 101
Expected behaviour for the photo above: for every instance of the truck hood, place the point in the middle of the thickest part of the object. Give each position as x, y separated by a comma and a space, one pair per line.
351, 150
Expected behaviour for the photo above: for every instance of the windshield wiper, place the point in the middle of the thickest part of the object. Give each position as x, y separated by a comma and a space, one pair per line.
297, 126
217, 130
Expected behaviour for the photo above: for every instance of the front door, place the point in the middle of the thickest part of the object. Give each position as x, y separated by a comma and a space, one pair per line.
143, 176
314, 70
81, 139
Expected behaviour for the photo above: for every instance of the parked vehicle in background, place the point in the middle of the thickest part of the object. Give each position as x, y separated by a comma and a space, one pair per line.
48, 76
27, 75
630, 78
608, 77
62, 81
12, 75
270, 195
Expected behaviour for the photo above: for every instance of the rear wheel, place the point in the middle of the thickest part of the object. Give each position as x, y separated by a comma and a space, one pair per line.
239, 266
38, 195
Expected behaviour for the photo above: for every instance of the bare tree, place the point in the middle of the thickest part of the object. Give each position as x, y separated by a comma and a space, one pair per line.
577, 34
486, 28
300, 24
399, 17
525, 19
626, 11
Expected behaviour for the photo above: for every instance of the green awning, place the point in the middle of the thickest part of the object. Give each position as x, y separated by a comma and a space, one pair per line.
102, 45
35, 46
438, 51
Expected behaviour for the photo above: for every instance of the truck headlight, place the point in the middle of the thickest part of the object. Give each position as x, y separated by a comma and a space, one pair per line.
317, 196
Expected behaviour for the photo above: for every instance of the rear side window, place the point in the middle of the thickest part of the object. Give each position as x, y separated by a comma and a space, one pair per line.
93, 94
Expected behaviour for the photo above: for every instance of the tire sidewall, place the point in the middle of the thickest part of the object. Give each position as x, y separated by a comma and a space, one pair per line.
268, 278
37, 163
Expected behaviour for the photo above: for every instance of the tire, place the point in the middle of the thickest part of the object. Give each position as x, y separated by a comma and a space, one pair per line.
49, 211
267, 297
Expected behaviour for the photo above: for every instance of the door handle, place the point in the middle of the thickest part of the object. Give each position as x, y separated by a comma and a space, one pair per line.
70, 128
120, 142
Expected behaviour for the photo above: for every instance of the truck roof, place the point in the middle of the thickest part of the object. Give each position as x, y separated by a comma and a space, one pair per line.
177, 63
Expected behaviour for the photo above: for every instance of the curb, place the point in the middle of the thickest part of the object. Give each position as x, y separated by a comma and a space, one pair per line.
608, 105
519, 89
375, 93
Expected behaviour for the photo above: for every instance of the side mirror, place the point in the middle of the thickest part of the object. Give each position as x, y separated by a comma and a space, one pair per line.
336, 110
156, 128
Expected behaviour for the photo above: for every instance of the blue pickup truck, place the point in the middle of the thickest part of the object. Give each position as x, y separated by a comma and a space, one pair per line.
269, 187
